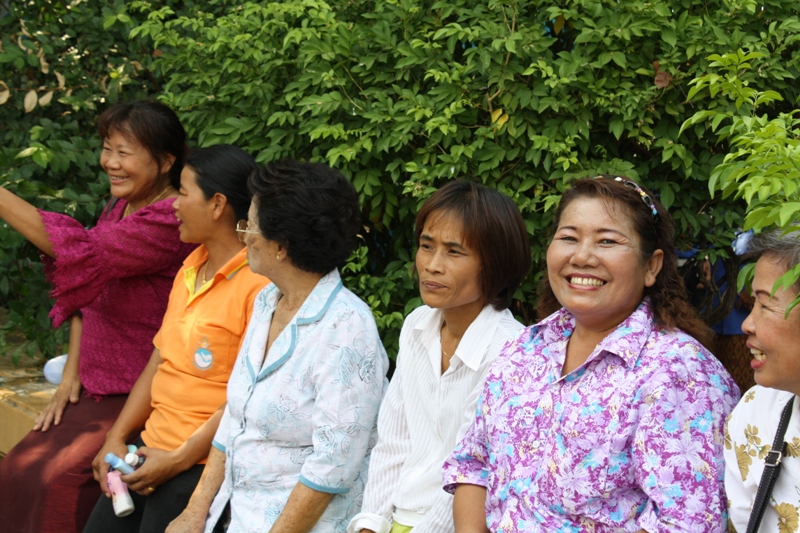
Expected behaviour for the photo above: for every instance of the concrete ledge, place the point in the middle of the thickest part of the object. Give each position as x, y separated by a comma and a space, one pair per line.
24, 393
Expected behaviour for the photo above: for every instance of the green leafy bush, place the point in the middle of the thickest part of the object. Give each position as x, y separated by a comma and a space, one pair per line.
60, 64
402, 95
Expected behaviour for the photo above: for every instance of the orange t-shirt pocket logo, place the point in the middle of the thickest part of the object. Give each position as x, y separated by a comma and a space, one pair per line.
203, 358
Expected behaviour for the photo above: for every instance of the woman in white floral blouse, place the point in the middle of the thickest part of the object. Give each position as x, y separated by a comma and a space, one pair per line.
774, 340
292, 449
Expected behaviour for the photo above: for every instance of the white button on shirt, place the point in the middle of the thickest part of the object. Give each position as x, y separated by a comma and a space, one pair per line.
423, 416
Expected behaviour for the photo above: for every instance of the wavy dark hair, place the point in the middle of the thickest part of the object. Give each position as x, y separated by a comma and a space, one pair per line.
668, 297
154, 126
493, 226
309, 208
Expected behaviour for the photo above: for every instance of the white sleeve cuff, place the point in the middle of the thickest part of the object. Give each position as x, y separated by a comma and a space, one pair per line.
375, 522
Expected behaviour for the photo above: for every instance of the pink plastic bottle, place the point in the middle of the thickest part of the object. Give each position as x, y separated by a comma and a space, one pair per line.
123, 504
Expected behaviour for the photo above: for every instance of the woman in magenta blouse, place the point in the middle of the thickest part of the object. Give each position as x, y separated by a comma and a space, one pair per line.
112, 282
606, 416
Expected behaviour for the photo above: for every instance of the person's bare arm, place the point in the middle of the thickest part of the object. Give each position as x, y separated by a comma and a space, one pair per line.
193, 518
162, 465
302, 510
69, 390
469, 509
133, 416
26, 219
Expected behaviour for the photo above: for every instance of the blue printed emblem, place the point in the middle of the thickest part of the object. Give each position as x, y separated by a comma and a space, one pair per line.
203, 358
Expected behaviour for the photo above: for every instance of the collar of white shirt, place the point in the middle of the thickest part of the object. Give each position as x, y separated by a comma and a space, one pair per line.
472, 348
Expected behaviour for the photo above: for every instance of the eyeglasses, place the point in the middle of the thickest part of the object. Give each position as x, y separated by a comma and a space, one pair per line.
242, 227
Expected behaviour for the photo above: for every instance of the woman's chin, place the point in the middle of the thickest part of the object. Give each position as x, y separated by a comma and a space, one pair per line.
187, 237
120, 190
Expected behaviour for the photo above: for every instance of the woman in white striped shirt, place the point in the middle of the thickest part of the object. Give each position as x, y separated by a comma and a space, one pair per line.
472, 255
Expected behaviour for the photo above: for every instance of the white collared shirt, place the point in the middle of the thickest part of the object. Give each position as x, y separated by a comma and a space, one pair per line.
424, 415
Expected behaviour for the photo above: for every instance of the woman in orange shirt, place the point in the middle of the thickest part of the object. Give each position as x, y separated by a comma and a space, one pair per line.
179, 396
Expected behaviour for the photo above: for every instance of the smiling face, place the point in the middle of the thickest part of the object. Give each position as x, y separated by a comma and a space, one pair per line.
449, 270
192, 209
595, 265
773, 338
133, 173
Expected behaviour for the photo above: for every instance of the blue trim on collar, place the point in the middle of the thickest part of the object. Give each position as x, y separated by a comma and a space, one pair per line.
325, 307
293, 332
282, 359
250, 369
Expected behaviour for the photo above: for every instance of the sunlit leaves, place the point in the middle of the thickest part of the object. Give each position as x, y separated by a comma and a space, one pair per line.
763, 164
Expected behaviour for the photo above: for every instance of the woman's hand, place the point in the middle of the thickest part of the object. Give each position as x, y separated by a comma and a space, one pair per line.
69, 391
159, 467
113, 445
188, 521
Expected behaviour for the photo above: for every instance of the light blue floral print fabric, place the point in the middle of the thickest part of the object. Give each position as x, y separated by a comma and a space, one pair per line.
306, 414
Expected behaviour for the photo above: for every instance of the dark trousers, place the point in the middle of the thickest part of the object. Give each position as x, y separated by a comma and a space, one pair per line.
152, 513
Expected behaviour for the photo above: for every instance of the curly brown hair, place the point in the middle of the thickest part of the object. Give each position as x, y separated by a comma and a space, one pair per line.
668, 297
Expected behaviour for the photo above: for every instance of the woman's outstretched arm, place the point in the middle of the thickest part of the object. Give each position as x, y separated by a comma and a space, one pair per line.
26, 219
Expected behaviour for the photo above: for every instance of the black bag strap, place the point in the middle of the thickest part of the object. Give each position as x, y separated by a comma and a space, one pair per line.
772, 467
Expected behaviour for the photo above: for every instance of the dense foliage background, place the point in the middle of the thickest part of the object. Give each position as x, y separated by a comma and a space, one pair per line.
402, 95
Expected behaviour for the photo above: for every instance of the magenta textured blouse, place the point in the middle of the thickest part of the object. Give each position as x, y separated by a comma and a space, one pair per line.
119, 275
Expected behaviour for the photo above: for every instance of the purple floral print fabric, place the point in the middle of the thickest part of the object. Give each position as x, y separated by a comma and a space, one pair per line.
630, 440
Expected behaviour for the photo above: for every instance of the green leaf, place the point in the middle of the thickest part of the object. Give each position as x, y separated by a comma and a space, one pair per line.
669, 37
616, 127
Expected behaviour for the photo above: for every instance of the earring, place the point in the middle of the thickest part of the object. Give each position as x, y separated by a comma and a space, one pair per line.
278, 257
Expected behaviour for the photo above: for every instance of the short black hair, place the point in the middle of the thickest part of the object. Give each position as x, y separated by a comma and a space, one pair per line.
224, 169
309, 208
154, 126
494, 227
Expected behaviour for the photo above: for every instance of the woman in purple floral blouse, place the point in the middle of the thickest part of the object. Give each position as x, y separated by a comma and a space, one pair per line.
608, 414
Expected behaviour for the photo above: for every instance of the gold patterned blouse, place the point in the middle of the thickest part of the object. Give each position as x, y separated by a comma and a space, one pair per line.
749, 434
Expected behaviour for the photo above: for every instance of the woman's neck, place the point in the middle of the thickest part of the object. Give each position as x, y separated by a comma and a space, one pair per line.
221, 249
581, 344
457, 321
160, 191
295, 285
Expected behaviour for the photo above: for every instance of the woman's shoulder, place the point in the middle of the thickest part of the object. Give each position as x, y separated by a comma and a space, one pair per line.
507, 325
672, 359
422, 317
161, 210
759, 401
346, 304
